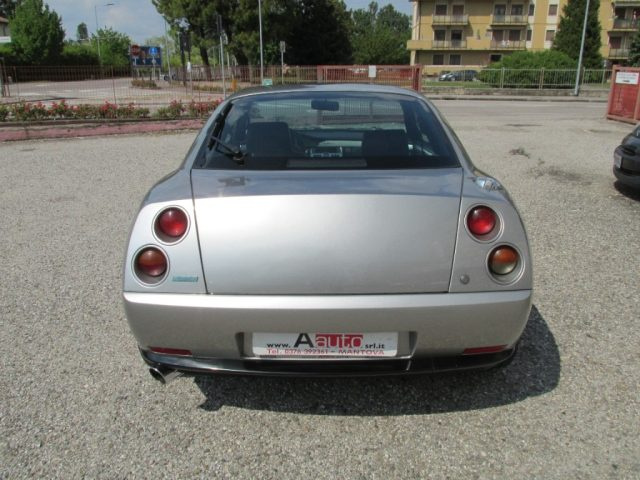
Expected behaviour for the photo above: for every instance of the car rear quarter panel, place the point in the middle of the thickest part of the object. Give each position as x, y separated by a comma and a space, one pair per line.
471, 254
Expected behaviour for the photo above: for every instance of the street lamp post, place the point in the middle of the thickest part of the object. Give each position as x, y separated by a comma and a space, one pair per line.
261, 55
576, 90
95, 11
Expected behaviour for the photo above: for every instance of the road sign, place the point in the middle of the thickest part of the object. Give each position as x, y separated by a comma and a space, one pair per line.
5, 39
145, 56
283, 46
267, 82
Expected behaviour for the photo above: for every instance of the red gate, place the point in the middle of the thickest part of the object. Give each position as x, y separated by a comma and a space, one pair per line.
407, 76
624, 97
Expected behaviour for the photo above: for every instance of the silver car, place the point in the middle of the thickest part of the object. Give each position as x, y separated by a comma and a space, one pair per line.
326, 230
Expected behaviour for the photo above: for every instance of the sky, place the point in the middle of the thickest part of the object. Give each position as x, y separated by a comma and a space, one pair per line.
139, 18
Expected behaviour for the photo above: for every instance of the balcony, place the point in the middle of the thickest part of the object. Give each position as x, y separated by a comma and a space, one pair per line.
451, 19
448, 44
508, 44
625, 24
509, 20
618, 53
627, 3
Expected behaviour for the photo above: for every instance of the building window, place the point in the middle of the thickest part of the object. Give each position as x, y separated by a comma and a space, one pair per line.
615, 42
438, 59
495, 57
454, 59
500, 10
441, 9
550, 35
553, 10
458, 10
517, 9
439, 35
514, 35
532, 9
529, 35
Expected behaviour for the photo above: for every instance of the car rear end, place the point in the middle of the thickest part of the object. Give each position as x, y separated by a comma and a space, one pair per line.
310, 262
626, 160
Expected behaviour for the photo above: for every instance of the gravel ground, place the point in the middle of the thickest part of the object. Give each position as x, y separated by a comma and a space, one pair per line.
76, 401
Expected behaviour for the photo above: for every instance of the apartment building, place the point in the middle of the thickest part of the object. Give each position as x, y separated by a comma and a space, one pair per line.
4, 27
474, 33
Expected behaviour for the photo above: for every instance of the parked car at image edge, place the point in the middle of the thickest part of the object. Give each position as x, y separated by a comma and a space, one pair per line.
626, 160
326, 230
459, 76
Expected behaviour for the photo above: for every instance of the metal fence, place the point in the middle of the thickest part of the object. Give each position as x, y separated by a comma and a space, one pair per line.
149, 87
595, 79
152, 87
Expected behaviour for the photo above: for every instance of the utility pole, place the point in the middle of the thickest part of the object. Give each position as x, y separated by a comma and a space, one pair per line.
166, 44
576, 90
221, 33
283, 47
261, 55
95, 11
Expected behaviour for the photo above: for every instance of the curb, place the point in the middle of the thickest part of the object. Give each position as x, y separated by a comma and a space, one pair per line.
38, 132
516, 99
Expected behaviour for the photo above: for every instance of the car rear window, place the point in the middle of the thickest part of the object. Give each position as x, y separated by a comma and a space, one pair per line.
327, 130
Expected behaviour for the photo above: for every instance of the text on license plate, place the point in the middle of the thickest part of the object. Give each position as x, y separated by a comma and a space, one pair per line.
380, 344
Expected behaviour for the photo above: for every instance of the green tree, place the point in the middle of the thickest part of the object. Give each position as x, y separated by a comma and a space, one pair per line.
75, 53
7, 8
201, 20
277, 24
36, 33
634, 51
114, 47
320, 33
569, 35
380, 35
316, 31
82, 33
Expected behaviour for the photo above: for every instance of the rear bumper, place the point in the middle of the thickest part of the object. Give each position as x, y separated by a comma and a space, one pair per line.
627, 177
217, 329
209, 366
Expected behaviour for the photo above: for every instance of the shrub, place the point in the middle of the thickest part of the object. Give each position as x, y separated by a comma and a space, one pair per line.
108, 110
131, 111
60, 110
78, 54
142, 83
24, 112
524, 70
174, 110
85, 111
4, 113
202, 109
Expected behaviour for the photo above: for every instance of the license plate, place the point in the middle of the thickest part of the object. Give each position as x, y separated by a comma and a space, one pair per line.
359, 345
617, 160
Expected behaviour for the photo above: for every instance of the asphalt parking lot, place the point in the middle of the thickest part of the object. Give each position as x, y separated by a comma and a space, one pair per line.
76, 400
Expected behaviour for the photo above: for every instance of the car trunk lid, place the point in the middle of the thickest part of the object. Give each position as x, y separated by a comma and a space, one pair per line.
327, 232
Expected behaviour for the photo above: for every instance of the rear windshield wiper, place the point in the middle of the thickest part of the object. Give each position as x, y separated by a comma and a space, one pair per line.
232, 152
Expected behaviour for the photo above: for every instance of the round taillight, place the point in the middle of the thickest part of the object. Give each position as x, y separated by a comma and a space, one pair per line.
152, 262
481, 221
503, 260
172, 223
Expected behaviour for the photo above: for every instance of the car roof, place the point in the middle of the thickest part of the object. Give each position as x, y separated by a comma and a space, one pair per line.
329, 87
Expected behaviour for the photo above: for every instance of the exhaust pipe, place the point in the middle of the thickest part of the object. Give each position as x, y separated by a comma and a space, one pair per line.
164, 375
